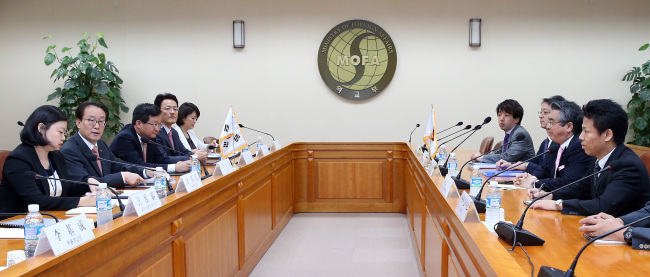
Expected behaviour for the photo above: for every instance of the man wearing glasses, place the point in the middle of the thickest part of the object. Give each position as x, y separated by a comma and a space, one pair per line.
128, 146
87, 143
168, 136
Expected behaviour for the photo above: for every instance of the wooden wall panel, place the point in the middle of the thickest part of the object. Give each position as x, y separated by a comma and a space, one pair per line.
283, 193
434, 261
418, 218
256, 208
221, 257
161, 268
341, 179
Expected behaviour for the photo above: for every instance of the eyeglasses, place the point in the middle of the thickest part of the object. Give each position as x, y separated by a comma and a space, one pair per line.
543, 112
167, 109
551, 122
157, 126
92, 122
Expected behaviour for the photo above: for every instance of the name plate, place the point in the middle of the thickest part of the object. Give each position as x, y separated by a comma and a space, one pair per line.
425, 157
223, 168
143, 202
262, 151
465, 209
189, 182
65, 235
246, 158
446, 189
275, 146
431, 169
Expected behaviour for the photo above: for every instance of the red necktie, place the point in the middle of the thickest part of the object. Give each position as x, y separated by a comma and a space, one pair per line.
99, 163
144, 152
171, 140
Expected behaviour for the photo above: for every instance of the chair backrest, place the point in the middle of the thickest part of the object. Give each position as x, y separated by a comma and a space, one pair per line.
498, 144
646, 160
486, 145
3, 157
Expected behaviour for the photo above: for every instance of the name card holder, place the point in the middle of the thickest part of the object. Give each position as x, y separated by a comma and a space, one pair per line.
448, 189
425, 158
189, 182
432, 168
246, 158
275, 146
263, 151
65, 235
466, 210
223, 168
143, 202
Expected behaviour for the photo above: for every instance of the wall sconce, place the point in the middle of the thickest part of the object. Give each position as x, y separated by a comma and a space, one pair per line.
238, 33
475, 32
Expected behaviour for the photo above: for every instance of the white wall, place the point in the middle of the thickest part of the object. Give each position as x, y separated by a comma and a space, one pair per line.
531, 49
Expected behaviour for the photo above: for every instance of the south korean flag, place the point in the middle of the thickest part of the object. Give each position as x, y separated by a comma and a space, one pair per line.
232, 139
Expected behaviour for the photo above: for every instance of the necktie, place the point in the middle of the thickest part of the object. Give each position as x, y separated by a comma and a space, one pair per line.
171, 140
144, 152
505, 142
596, 169
99, 163
557, 160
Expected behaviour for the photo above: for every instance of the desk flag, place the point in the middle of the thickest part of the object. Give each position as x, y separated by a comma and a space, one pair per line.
430, 138
232, 139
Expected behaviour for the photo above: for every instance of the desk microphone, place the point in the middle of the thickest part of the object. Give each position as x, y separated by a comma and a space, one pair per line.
6, 225
93, 158
464, 184
457, 124
411, 135
514, 234
480, 203
148, 140
466, 128
37, 176
240, 125
546, 271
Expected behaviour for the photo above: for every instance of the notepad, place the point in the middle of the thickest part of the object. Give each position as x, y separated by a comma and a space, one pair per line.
92, 210
12, 233
510, 173
485, 165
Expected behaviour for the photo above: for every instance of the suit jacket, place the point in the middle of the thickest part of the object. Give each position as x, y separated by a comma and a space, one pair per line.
618, 192
540, 161
19, 188
198, 143
163, 139
574, 162
518, 151
75, 151
128, 147
641, 230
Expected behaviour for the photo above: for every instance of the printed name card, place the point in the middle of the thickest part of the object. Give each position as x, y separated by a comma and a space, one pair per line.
189, 182
431, 169
246, 158
223, 168
263, 150
425, 157
448, 189
65, 235
465, 210
275, 146
143, 202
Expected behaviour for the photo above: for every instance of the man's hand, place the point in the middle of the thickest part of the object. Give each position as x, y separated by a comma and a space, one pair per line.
548, 205
534, 193
202, 154
503, 164
86, 201
93, 189
525, 180
602, 224
476, 155
183, 166
132, 179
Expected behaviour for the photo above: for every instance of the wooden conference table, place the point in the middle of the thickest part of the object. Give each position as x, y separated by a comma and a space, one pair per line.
225, 227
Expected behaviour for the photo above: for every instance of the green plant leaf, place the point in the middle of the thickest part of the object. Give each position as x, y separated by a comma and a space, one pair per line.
74, 73
65, 49
102, 42
84, 34
646, 68
83, 66
644, 47
54, 95
632, 74
102, 88
95, 73
124, 108
49, 59
47, 37
69, 83
101, 35
53, 73
95, 60
102, 57
640, 124
49, 48
67, 60
644, 94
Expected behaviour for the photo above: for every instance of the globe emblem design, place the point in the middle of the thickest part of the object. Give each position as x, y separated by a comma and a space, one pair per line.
369, 46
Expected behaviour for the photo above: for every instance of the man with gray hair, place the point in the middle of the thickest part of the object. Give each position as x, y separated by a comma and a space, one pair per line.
570, 162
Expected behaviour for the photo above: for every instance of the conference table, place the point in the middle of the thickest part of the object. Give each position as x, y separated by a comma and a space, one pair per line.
225, 227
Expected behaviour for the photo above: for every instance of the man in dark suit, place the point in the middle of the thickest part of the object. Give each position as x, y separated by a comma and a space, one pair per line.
129, 147
617, 192
638, 236
86, 144
168, 136
510, 114
570, 162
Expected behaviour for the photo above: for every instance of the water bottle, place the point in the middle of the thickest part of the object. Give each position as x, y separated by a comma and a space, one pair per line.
33, 225
195, 165
493, 204
476, 181
103, 204
259, 143
160, 183
452, 165
442, 155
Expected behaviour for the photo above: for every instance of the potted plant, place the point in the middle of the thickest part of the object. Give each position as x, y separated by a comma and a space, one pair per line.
88, 76
639, 106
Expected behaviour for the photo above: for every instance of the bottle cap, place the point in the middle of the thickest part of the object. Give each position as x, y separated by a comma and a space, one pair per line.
442, 146
494, 183
453, 154
159, 168
195, 157
476, 167
102, 185
33, 208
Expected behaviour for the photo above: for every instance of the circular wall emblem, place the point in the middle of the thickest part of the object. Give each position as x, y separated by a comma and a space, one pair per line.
357, 59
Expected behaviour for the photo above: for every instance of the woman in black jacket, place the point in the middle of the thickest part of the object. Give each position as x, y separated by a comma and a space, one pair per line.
42, 136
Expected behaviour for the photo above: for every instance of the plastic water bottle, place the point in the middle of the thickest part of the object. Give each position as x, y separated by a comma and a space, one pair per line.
476, 181
442, 154
195, 165
33, 225
493, 204
453, 163
160, 183
103, 203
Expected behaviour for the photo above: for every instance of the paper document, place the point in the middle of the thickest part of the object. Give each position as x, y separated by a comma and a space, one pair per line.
93, 210
12, 233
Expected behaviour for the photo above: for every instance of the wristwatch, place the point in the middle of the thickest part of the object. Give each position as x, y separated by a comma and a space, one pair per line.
558, 204
628, 236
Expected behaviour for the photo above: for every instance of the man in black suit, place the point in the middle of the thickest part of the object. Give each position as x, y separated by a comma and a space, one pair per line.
168, 136
617, 192
129, 147
86, 144
638, 236
570, 162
